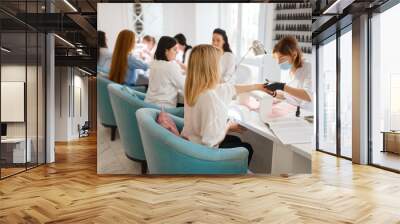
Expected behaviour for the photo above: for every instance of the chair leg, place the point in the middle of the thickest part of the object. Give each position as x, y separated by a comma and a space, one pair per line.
144, 167
113, 133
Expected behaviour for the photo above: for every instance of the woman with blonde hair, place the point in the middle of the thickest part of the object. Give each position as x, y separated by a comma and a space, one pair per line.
206, 101
123, 63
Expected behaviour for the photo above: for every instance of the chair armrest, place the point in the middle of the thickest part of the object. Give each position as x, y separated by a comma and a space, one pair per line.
202, 152
139, 88
178, 111
178, 121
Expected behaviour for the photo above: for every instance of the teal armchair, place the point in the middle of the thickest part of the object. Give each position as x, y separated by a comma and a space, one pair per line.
125, 102
105, 111
167, 153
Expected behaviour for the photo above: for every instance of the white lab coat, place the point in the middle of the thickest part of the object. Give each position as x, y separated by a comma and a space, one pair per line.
227, 68
301, 79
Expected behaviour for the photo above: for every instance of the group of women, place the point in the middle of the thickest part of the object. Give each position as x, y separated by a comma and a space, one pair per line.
206, 76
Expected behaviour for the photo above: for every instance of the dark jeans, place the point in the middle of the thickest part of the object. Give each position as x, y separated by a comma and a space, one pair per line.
231, 141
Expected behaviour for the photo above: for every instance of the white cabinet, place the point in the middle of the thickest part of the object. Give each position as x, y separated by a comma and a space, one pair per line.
19, 155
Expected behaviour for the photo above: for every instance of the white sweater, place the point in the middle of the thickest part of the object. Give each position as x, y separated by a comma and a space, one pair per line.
165, 79
206, 122
227, 65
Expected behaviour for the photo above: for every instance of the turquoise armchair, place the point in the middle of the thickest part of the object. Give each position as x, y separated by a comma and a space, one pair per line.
125, 102
106, 114
170, 154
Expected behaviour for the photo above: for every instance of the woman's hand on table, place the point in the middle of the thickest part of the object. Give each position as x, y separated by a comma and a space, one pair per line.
262, 87
235, 127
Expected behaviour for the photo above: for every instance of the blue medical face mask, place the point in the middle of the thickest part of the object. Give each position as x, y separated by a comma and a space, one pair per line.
285, 65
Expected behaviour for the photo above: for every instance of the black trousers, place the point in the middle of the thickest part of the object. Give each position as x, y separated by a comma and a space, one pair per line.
231, 141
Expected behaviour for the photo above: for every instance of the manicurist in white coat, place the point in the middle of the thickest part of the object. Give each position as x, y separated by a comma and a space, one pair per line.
227, 62
165, 78
207, 100
299, 90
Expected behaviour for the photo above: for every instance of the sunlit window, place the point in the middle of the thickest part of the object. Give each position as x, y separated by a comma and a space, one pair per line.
327, 97
346, 94
385, 87
229, 17
250, 26
245, 15
394, 101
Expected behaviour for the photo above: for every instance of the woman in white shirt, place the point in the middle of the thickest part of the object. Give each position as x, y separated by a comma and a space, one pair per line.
147, 52
227, 61
206, 102
299, 90
165, 78
103, 54
183, 47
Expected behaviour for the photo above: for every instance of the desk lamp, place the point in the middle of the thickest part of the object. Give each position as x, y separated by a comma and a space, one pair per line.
258, 49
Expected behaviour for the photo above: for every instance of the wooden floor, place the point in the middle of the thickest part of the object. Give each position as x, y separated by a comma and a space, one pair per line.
387, 159
70, 191
10, 171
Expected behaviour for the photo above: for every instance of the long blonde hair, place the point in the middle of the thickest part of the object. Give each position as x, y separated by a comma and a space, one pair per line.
202, 72
119, 63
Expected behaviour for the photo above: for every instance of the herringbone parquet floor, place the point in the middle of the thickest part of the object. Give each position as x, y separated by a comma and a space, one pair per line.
70, 191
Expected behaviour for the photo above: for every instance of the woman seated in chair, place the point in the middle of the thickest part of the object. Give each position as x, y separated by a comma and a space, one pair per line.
124, 64
165, 78
206, 118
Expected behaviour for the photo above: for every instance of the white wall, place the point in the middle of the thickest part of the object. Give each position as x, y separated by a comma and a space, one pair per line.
112, 18
61, 103
17, 73
14, 73
196, 21
80, 83
33, 126
179, 18
153, 16
207, 19
69, 85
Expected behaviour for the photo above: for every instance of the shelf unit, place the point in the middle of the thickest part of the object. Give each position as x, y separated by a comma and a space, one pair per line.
294, 19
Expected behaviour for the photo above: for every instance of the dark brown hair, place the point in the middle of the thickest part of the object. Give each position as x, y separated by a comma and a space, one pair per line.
222, 32
165, 43
288, 46
181, 39
101, 42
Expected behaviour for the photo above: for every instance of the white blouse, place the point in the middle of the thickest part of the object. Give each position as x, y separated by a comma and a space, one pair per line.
206, 122
104, 61
228, 66
301, 79
188, 52
165, 80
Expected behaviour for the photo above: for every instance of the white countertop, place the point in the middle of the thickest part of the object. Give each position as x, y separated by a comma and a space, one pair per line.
251, 120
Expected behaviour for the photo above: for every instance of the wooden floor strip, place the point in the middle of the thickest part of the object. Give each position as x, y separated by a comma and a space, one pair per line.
70, 191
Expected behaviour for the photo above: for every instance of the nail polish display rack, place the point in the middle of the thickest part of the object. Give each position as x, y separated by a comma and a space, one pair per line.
294, 19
